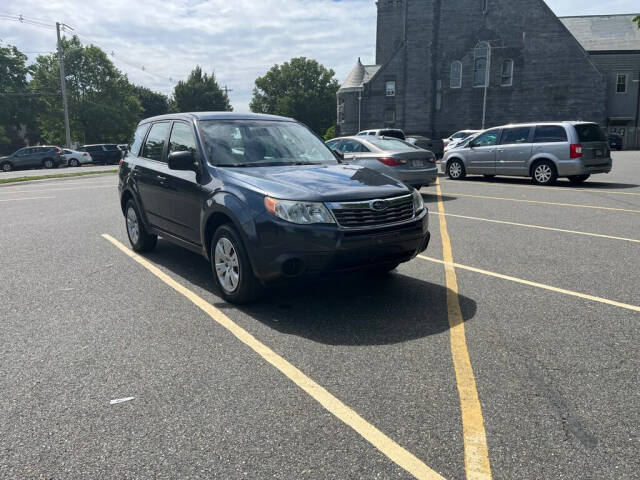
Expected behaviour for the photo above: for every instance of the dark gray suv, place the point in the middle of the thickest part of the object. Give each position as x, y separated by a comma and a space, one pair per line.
33, 157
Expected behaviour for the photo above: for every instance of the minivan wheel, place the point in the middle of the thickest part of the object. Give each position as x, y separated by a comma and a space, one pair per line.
544, 173
577, 179
48, 163
456, 170
7, 167
231, 267
140, 239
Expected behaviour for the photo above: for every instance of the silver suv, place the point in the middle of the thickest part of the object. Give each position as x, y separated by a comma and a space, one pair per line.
542, 151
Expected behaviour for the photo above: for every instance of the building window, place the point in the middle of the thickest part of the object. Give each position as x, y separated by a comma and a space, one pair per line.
341, 111
456, 75
439, 95
507, 73
621, 84
485, 6
480, 64
389, 116
391, 89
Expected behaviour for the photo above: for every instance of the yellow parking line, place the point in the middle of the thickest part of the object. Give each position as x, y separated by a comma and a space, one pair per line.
27, 198
585, 296
571, 189
610, 237
375, 437
476, 452
544, 203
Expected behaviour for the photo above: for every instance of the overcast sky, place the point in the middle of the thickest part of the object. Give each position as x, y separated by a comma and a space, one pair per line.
239, 39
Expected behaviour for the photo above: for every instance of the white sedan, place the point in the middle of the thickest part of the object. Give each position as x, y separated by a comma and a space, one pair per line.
75, 158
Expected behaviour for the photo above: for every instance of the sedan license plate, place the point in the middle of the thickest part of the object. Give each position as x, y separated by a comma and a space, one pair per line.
418, 163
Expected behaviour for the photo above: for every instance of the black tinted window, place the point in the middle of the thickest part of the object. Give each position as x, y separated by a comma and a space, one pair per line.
392, 133
182, 139
590, 132
351, 146
111, 147
515, 135
487, 139
550, 133
138, 137
154, 146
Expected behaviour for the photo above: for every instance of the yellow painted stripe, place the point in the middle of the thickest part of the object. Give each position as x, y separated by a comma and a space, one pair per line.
476, 452
27, 198
536, 284
375, 437
610, 237
595, 207
571, 189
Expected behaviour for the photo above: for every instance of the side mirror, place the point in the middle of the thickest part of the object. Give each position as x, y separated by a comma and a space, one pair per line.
338, 154
182, 161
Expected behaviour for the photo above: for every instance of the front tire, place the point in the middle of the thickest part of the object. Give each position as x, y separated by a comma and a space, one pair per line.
7, 167
456, 170
232, 271
74, 163
140, 239
578, 179
544, 173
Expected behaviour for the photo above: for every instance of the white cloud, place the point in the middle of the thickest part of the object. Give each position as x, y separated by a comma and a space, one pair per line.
239, 39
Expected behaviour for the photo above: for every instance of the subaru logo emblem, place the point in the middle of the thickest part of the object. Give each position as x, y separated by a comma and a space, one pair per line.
379, 205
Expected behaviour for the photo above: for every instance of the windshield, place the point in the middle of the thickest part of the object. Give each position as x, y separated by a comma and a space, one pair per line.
244, 143
590, 132
392, 145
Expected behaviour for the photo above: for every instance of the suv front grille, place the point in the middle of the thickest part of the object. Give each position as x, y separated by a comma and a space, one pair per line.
373, 213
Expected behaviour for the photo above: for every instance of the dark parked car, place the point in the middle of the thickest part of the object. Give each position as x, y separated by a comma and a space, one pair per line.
103, 154
426, 144
616, 141
263, 199
45, 156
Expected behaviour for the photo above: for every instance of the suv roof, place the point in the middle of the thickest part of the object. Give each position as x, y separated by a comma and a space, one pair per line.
533, 124
216, 116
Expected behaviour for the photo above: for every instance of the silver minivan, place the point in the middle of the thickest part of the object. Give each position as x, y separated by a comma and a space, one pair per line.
542, 151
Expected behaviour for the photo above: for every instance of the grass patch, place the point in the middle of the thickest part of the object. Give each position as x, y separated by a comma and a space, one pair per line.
55, 175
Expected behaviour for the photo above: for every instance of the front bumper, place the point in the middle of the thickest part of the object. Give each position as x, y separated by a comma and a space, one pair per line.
280, 249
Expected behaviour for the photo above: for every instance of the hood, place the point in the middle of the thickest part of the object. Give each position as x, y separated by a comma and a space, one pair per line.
319, 183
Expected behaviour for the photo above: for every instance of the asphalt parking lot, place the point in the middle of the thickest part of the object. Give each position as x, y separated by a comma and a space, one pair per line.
517, 358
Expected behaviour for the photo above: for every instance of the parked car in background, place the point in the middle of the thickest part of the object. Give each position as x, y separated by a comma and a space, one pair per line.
457, 137
426, 144
104, 153
75, 158
383, 132
275, 205
616, 141
543, 151
45, 156
412, 165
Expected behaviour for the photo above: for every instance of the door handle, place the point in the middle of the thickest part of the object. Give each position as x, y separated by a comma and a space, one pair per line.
161, 178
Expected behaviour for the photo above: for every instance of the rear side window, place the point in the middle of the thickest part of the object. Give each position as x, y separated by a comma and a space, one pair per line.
138, 138
516, 135
182, 139
154, 146
351, 146
550, 134
111, 147
590, 132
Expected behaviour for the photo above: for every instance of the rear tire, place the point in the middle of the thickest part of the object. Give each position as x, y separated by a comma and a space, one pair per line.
74, 163
7, 167
232, 271
578, 179
544, 173
140, 239
47, 163
456, 170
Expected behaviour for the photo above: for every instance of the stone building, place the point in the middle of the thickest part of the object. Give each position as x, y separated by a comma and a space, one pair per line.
444, 65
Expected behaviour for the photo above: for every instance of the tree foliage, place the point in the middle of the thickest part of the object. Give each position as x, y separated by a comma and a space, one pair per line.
301, 88
103, 106
637, 20
200, 93
153, 103
15, 99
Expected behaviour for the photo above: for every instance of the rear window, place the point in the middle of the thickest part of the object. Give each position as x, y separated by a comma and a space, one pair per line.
550, 134
392, 133
111, 147
392, 145
590, 132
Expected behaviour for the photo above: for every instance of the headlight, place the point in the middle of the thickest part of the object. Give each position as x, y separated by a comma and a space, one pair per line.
302, 213
418, 202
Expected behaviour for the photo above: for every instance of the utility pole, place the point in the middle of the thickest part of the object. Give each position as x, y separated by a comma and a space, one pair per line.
63, 86
487, 77
638, 112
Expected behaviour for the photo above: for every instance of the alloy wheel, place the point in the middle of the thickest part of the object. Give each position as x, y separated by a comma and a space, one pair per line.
133, 228
455, 170
227, 265
543, 173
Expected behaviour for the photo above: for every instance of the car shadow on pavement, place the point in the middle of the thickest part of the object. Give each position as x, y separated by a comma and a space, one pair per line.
589, 185
356, 308
433, 197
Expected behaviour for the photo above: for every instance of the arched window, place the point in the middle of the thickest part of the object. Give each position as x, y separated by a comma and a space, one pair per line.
456, 75
480, 64
506, 80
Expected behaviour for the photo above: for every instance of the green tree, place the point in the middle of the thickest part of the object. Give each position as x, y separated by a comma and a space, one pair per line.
301, 88
637, 20
103, 106
200, 93
15, 99
153, 103
330, 133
